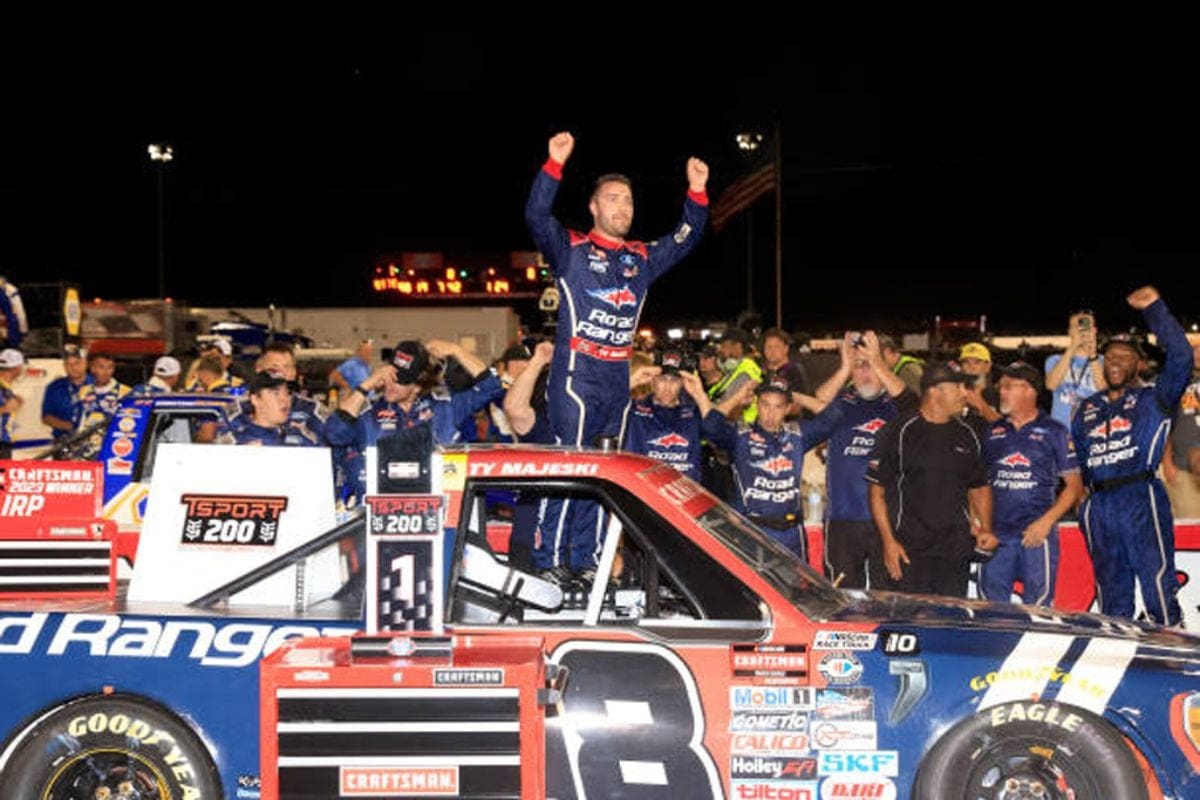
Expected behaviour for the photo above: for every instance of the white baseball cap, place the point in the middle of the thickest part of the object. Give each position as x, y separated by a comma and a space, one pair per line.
10, 358
166, 366
220, 343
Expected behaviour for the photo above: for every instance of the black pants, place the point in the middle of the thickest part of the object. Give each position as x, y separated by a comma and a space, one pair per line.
930, 574
5, 451
854, 551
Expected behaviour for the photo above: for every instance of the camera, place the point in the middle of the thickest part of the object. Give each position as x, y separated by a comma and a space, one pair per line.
857, 339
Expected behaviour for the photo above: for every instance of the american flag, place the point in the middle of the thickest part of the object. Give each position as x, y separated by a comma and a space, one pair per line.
742, 193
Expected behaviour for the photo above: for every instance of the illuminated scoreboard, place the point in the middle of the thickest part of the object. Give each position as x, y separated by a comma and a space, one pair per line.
431, 276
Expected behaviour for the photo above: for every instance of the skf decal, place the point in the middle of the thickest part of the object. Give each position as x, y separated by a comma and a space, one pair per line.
217, 519
869, 762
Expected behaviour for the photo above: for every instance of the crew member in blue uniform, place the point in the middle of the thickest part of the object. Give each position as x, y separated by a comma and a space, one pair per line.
602, 280
662, 425
1119, 435
767, 457
405, 397
853, 550
165, 378
1027, 453
270, 398
62, 406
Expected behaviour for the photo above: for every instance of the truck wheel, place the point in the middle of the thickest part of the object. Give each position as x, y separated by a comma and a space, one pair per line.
108, 748
1020, 750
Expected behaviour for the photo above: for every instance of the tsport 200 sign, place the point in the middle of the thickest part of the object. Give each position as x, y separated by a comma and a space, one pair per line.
217, 519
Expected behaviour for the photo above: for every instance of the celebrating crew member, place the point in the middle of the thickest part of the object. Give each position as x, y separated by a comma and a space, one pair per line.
12, 362
929, 491
100, 398
767, 457
270, 398
165, 377
854, 418
603, 279
405, 397
1027, 453
62, 406
1119, 436
664, 428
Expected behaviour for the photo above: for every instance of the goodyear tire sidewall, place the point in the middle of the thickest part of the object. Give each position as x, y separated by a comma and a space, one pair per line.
156, 741
1076, 736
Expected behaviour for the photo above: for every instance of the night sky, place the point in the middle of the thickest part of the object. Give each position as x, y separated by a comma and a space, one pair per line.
1020, 174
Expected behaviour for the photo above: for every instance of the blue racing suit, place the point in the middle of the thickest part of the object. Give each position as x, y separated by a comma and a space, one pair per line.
62, 400
244, 431
1024, 466
853, 549
443, 410
767, 473
1127, 517
670, 434
602, 285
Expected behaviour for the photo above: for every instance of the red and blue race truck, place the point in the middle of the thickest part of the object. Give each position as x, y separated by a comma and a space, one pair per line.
702, 660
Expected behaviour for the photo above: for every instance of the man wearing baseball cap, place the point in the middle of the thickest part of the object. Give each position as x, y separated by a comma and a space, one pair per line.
406, 395
929, 489
1119, 434
165, 377
11, 364
662, 426
270, 398
982, 399
1027, 453
737, 368
767, 457
62, 407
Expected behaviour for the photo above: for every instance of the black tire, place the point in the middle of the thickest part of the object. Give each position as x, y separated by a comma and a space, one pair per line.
105, 741
1065, 749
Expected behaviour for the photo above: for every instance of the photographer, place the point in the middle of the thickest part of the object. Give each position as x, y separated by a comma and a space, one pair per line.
1079, 371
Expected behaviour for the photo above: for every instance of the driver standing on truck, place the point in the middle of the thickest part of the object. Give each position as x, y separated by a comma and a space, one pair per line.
270, 398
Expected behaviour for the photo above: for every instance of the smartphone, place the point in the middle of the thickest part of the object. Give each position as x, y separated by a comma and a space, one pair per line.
1085, 322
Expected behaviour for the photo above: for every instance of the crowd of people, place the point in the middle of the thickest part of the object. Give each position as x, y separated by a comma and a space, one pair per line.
929, 467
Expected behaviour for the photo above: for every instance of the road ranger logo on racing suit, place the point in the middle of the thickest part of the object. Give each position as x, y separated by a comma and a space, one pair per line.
669, 440
779, 465
871, 426
1114, 425
617, 298
1015, 460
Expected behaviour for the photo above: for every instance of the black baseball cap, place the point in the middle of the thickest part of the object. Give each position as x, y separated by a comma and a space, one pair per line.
942, 372
671, 361
1019, 370
516, 352
410, 358
268, 380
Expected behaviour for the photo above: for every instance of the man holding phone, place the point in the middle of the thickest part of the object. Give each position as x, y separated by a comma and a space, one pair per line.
1079, 371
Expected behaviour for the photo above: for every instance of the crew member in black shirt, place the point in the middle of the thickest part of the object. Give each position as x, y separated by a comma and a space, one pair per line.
929, 490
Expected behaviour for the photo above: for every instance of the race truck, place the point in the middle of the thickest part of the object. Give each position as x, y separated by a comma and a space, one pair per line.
702, 660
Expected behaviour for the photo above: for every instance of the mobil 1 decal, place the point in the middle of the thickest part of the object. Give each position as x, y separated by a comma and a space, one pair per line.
630, 725
231, 520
